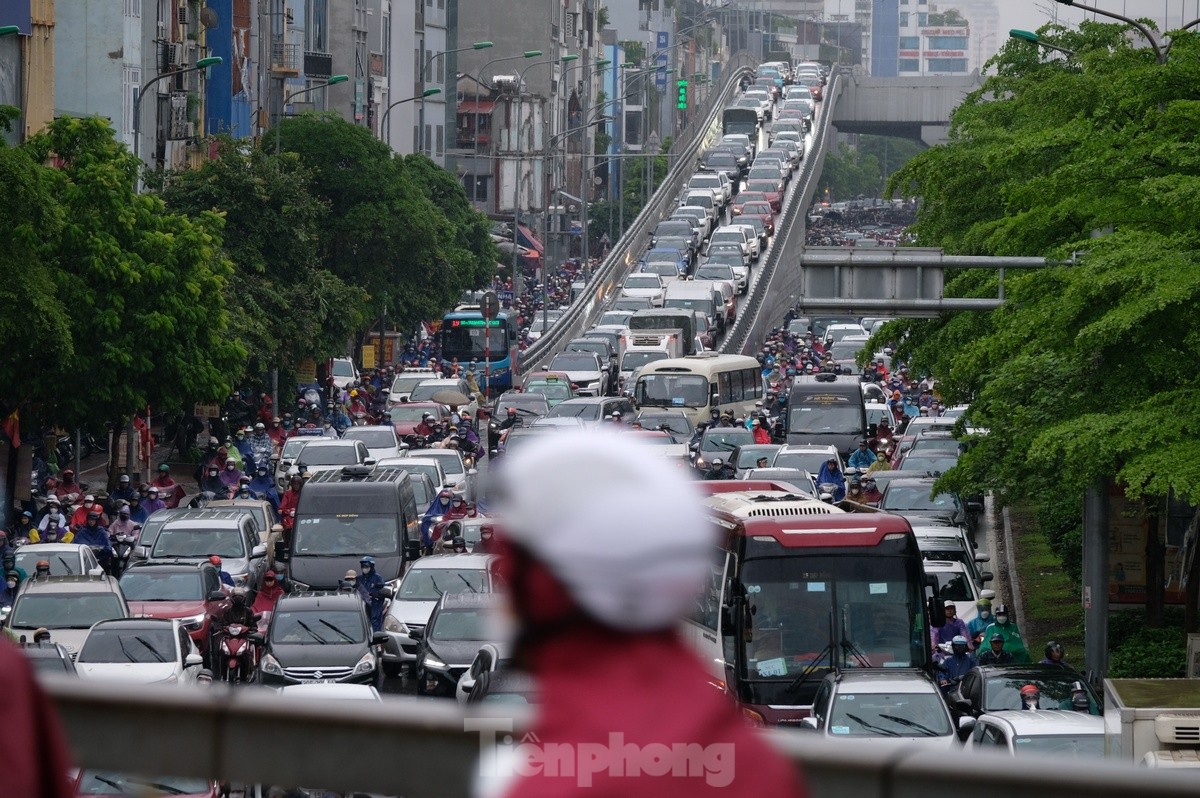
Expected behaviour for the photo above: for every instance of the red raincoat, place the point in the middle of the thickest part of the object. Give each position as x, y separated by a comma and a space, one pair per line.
34, 761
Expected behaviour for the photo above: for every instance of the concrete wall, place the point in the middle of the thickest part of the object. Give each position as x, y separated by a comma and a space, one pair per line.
90, 56
403, 82
873, 102
39, 67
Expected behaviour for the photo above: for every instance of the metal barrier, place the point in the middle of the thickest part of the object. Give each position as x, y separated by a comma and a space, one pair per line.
427, 747
763, 302
606, 281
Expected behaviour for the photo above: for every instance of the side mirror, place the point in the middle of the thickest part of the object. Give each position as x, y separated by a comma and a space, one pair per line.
987, 594
415, 634
258, 551
257, 639
387, 592
962, 705
987, 576
192, 660
216, 595
370, 461
95, 572
810, 723
966, 725
974, 507
281, 552
472, 472
937, 613
412, 550
379, 638
983, 558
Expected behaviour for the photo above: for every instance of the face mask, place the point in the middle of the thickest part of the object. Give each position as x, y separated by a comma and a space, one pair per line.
231, 467
1031, 702
12, 583
1001, 619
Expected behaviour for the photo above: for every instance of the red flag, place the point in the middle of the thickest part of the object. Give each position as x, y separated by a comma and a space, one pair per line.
12, 428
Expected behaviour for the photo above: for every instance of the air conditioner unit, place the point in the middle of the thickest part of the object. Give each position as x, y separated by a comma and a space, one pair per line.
179, 55
183, 14
506, 83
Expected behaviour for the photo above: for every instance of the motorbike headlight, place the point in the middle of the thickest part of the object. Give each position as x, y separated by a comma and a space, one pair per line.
240, 580
193, 623
366, 664
435, 664
271, 665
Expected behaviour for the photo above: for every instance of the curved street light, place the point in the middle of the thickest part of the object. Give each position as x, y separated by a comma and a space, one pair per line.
1033, 38
425, 71
202, 64
386, 121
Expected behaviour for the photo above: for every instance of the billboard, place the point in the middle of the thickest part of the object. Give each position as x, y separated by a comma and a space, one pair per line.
662, 42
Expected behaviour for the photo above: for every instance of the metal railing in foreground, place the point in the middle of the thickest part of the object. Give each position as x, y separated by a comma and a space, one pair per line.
421, 747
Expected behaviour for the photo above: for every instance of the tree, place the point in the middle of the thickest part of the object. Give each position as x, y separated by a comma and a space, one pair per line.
284, 305
849, 173
143, 288
1087, 371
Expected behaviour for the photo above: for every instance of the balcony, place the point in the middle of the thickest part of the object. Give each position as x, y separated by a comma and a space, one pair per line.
285, 59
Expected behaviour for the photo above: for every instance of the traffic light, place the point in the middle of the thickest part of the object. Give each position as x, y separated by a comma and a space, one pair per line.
681, 104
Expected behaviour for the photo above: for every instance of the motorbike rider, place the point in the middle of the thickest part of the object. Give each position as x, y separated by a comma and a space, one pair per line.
1055, 655
761, 435
79, 517
241, 443
212, 481
268, 594
597, 615
511, 419
8, 589
995, 654
982, 620
336, 417
230, 477
243, 490
9, 563
41, 569
21, 529
487, 541
1014, 644
123, 525
459, 545
261, 445
53, 512
95, 536
951, 629
370, 587
170, 490
152, 503
854, 491
872, 495
67, 486
1031, 697
1079, 698
349, 582
226, 579
440, 506
863, 457
55, 532
277, 433
954, 666
264, 487
718, 469
124, 492
882, 461
288, 503
238, 611
831, 474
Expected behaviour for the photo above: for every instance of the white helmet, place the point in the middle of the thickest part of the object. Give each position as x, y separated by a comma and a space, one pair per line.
622, 530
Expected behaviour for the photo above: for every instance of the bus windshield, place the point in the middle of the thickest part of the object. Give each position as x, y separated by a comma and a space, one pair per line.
849, 610
465, 343
672, 390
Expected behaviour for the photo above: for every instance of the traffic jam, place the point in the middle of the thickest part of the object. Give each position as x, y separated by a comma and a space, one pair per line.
363, 546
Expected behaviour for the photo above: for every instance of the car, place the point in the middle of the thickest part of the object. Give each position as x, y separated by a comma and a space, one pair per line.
64, 558
957, 585
932, 464
836, 332
722, 272
329, 454
504, 686
594, 409
100, 783
746, 457
67, 606
762, 210
790, 159
644, 286
489, 660
405, 381
49, 657
912, 498
407, 417
721, 161
615, 318
427, 467
343, 372
659, 261
287, 458
991, 688
700, 217
950, 544
719, 443
679, 244
427, 389
190, 593
673, 422
705, 332
802, 480
335, 691
321, 637
416, 595
259, 510
538, 325
808, 457
845, 352
556, 387
460, 624
458, 477
139, 651
380, 439
885, 707
230, 534
528, 405
1020, 733
588, 375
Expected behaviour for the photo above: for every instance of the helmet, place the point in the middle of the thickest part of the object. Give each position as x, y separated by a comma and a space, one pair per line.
984, 602
368, 560
152, 490
205, 675
124, 478
42, 565
1053, 646
238, 596
93, 516
350, 576
1030, 689
997, 637
958, 640
460, 544
215, 560
1001, 609
269, 574
571, 513
259, 426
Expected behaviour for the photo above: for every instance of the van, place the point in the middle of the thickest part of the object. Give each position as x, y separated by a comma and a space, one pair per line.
347, 514
666, 319
697, 295
827, 409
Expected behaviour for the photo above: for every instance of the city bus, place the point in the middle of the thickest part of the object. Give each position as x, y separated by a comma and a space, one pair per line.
699, 383
462, 337
800, 587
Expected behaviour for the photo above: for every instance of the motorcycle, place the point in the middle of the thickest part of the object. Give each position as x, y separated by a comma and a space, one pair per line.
239, 653
122, 548
827, 491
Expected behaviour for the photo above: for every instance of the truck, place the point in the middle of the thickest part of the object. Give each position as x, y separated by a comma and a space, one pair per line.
1153, 722
647, 346
658, 320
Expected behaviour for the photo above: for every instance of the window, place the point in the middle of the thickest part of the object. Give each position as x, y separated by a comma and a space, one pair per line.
708, 606
428, 139
441, 130
909, 65
425, 75
133, 9
910, 42
416, 139
131, 79
945, 43
904, 19
441, 70
922, 19
316, 18
417, 62
946, 65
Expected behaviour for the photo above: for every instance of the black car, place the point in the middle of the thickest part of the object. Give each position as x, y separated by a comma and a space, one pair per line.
459, 626
321, 637
913, 498
991, 688
49, 658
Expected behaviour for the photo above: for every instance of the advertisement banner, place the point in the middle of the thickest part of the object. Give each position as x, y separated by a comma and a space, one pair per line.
662, 42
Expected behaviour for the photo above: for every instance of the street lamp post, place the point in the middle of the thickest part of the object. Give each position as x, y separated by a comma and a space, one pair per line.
386, 122
516, 144
1033, 38
333, 81
1160, 53
475, 136
202, 64
425, 71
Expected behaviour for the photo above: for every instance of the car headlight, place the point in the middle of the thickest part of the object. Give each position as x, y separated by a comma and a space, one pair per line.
390, 624
271, 665
240, 580
366, 664
435, 664
193, 622
299, 586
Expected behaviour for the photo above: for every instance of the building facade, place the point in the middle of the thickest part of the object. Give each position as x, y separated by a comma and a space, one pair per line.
27, 73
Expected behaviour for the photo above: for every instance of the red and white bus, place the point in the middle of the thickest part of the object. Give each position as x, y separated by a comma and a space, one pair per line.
800, 587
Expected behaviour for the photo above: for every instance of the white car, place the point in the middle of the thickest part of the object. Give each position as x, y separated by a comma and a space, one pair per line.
343, 372
644, 285
380, 440
332, 691
1063, 734
957, 586
836, 332
731, 235
325, 454
488, 660
586, 372
751, 234
405, 381
458, 476
139, 651
64, 559
416, 594
883, 708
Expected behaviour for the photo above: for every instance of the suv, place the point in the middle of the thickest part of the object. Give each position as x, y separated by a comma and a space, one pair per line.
186, 591
586, 372
67, 606
426, 581
232, 535
320, 637
458, 628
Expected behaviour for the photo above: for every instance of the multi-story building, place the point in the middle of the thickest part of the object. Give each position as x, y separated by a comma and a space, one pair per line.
27, 68
933, 42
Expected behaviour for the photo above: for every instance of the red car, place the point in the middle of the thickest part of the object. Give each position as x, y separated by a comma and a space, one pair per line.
761, 209
406, 417
186, 591
769, 192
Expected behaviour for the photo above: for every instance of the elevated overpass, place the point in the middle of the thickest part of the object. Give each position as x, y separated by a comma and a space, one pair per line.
911, 107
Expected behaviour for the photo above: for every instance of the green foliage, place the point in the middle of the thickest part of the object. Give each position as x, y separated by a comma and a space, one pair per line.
1150, 654
145, 287
1087, 371
849, 173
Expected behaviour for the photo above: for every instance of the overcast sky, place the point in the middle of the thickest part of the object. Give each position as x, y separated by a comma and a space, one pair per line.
1032, 14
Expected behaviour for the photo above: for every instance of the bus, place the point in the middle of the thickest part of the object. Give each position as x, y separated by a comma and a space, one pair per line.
740, 120
462, 338
699, 383
799, 588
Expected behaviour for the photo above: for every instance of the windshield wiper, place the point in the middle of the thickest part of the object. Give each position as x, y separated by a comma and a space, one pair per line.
857, 653
65, 564
315, 636
440, 592
467, 583
928, 732
164, 787
111, 783
125, 651
348, 638
872, 727
153, 650
808, 671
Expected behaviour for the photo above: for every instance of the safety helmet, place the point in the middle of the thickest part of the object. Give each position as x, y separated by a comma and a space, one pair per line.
460, 544
984, 602
368, 560
205, 675
1001, 609
93, 516
152, 490
124, 478
259, 426
997, 638
572, 512
958, 640
42, 565
238, 595
215, 560
1030, 689
350, 576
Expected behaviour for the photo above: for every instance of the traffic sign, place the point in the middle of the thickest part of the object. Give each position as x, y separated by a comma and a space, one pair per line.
489, 304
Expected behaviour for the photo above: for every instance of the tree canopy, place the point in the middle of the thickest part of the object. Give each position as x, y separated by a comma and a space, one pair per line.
1088, 369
